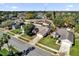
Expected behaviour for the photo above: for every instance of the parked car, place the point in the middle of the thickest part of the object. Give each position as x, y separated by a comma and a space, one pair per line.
29, 49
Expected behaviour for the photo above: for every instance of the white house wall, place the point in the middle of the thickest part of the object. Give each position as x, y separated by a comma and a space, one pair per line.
65, 48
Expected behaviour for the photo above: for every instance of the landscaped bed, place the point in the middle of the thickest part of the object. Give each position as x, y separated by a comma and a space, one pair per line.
75, 49
50, 42
27, 36
19, 31
5, 52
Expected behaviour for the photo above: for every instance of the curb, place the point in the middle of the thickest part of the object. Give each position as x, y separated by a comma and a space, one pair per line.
41, 46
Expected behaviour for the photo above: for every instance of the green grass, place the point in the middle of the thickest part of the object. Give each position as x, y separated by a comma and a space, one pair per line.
75, 49
50, 42
46, 49
4, 52
16, 31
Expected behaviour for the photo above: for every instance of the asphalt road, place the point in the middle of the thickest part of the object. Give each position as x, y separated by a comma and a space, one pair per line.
24, 46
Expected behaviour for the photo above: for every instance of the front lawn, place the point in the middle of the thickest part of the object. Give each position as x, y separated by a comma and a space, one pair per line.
16, 31
50, 42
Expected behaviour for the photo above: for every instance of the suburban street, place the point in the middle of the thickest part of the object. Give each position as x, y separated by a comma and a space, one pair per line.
23, 46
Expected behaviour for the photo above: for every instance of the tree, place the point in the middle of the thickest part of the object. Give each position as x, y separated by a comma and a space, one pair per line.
11, 51
54, 15
59, 22
6, 23
31, 15
69, 22
5, 39
77, 28
49, 16
28, 29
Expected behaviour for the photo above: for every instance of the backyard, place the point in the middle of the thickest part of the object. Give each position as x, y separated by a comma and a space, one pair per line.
50, 42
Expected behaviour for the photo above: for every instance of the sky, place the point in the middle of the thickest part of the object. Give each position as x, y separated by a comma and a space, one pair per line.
39, 6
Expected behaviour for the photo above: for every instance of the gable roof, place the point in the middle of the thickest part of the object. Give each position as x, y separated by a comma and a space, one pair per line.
64, 34
43, 30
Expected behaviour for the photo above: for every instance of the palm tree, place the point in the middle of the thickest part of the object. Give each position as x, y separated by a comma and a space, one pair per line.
5, 38
11, 52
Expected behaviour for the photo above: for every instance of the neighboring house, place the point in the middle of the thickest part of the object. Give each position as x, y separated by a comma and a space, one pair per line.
63, 35
44, 22
21, 16
66, 39
42, 30
40, 15
15, 25
42, 25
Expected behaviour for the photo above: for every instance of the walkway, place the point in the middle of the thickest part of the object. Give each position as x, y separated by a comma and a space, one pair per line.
36, 39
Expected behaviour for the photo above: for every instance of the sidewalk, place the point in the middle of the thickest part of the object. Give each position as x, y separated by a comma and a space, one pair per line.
36, 39
47, 47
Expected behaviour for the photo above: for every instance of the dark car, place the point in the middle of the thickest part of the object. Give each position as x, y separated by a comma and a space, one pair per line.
29, 49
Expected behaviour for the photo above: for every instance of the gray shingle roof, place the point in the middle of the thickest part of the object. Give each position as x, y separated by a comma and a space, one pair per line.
43, 30
64, 34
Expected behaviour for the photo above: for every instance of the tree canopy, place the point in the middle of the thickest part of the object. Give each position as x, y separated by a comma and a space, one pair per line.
28, 29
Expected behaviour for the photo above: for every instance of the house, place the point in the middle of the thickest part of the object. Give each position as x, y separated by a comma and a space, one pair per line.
40, 15
43, 30
64, 35
16, 25
44, 22
65, 39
